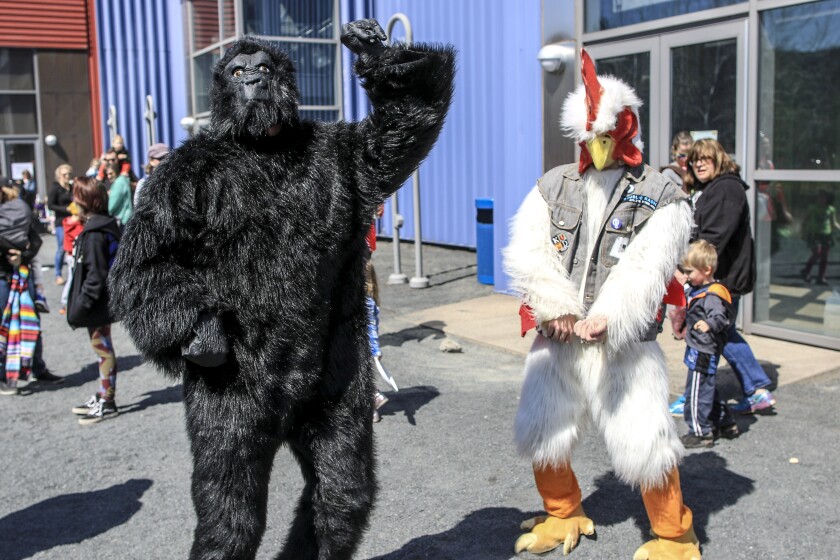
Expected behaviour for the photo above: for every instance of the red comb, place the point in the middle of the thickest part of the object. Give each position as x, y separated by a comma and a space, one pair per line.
591, 86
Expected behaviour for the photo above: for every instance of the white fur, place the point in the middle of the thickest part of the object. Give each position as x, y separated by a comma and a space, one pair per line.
534, 265
616, 95
626, 396
633, 291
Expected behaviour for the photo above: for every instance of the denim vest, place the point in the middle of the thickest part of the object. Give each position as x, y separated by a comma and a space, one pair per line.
640, 191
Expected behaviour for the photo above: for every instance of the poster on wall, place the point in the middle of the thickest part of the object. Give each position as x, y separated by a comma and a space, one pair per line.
19, 168
703, 134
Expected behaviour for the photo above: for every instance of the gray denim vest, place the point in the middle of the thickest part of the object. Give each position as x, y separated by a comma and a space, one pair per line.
640, 191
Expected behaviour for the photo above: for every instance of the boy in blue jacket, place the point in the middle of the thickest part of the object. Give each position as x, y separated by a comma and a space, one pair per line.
709, 315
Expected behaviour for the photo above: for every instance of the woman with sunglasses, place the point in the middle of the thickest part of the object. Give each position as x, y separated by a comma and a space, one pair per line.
680, 146
59, 198
722, 217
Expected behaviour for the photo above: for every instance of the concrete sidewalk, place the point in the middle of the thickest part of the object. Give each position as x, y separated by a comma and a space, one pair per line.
493, 320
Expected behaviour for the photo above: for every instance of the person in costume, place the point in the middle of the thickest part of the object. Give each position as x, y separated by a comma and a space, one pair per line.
592, 249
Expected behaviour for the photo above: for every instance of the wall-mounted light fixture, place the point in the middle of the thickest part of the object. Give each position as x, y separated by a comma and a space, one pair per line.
555, 56
50, 140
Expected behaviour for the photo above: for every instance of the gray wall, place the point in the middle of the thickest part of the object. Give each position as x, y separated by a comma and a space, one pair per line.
558, 25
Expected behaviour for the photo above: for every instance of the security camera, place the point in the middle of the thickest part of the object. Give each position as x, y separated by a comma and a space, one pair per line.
554, 57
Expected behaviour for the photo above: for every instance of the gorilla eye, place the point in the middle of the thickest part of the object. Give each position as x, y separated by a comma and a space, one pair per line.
237, 72
264, 69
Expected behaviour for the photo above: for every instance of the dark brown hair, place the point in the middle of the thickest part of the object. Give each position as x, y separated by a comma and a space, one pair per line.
91, 194
708, 148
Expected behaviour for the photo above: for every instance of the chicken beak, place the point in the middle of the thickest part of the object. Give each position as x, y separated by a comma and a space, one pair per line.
601, 148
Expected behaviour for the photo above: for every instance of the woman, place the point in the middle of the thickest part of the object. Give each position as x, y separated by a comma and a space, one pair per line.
675, 170
20, 242
59, 198
119, 195
722, 217
87, 305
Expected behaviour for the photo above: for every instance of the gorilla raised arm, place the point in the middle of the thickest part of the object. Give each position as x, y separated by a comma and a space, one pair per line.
241, 272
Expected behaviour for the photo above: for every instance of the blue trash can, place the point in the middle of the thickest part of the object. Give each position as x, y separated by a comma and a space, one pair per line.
484, 239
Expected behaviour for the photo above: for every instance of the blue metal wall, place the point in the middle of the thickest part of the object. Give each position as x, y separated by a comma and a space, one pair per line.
142, 52
492, 143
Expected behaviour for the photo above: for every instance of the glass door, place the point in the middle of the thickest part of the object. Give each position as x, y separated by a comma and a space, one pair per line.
689, 80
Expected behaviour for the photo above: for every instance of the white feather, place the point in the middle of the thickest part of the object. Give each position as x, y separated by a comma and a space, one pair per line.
534, 265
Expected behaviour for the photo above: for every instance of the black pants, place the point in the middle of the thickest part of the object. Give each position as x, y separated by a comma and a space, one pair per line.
704, 409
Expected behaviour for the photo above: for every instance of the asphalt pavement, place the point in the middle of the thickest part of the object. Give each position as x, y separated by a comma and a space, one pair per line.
451, 485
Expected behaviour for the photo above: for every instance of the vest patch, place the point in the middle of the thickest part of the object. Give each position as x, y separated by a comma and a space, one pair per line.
561, 242
640, 199
619, 246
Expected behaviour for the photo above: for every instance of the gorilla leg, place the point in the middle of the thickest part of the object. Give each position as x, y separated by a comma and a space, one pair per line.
234, 440
335, 450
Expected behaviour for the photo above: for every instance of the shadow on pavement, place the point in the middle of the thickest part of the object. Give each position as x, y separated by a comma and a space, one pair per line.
708, 487
430, 328
409, 400
69, 519
497, 527
168, 395
89, 373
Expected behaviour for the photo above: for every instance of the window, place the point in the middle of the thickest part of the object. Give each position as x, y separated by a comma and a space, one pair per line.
799, 76
305, 29
600, 15
17, 92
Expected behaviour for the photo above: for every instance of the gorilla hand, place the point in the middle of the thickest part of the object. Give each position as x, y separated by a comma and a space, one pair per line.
208, 346
363, 36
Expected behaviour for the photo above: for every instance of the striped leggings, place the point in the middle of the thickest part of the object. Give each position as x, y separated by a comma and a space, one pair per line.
100, 340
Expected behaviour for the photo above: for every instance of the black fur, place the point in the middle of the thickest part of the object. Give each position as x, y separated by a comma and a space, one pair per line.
268, 231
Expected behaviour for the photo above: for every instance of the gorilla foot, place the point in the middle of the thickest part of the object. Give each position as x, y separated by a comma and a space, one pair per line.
548, 532
686, 547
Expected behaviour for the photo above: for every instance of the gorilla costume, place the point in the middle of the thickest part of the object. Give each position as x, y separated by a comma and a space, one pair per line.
241, 273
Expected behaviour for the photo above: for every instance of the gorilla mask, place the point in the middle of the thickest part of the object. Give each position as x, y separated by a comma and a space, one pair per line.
253, 90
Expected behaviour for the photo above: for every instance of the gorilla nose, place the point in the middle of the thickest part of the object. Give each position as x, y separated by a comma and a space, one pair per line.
255, 90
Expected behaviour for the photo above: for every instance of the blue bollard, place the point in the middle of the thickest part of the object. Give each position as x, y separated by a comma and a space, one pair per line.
484, 239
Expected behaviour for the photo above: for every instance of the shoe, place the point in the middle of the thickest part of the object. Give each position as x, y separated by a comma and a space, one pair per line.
753, 403
806, 276
677, 407
726, 432
59, 281
8, 390
690, 441
47, 376
379, 400
41, 304
376, 416
822, 282
89, 405
102, 411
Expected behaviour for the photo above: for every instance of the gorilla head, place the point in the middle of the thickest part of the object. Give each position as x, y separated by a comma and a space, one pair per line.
253, 89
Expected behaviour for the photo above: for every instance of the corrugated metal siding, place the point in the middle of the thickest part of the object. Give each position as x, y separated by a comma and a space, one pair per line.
491, 145
45, 24
142, 52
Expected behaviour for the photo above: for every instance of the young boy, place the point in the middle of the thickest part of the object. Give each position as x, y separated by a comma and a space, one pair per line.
708, 317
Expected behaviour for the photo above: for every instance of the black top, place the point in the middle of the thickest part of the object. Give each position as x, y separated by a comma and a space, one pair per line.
722, 217
96, 248
58, 199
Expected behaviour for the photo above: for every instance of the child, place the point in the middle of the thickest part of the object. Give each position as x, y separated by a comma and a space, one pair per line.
708, 318
73, 226
87, 305
122, 158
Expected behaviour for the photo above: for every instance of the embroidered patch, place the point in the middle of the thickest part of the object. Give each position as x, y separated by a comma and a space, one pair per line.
619, 246
615, 223
561, 243
641, 200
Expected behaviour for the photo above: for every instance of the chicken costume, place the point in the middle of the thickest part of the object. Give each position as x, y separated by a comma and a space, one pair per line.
596, 242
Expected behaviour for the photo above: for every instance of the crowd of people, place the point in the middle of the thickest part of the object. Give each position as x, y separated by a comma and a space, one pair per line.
88, 215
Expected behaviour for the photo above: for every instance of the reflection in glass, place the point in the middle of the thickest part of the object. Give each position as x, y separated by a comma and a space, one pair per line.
703, 89
228, 19
289, 18
17, 114
327, 116
635, 70
18, 152
16, 70
797, 257
315, 63
203, 75
799, 77
205, 22
600, 15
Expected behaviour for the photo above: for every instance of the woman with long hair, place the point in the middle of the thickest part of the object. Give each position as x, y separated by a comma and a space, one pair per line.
59, 197
722, 217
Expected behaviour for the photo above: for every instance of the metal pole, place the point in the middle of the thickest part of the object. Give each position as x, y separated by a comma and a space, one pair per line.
418, 280
150, 117
397, 277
